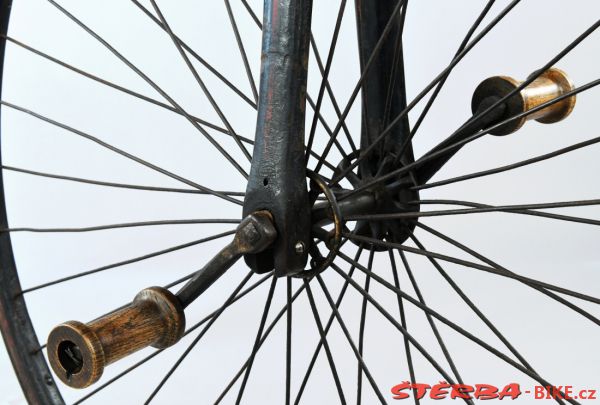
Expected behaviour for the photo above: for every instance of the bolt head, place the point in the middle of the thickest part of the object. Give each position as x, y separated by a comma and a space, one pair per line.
299, 247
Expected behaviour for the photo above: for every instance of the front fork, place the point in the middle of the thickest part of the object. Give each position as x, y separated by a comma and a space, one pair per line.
383, 89
277, 181
383, 99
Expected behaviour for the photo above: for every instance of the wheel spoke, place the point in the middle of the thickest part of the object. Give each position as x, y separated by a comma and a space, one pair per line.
199, 80
288, 343
212, 320
166, 106
512, 166
268, 330
128, 261
391, 319
357, 354
256, 346
311, 102
323, 337
398, 50
330, 93
431, 322
198, 57
327, 129
488, 208
449, 148
361, 331
181, 280
492, 263
152, 84
444, 78
240, 45
338, 303
365, 71
474, 307
483, 208
472, 265
121, 152
113, 85
442, 319
123, 225
324, 74
252, 14
365, 153
117, 185
409, 361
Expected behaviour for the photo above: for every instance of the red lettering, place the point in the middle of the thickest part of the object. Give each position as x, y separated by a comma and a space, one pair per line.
439, 391
397, 390
511, 390
421, 390
539, 392
461, 391
485, 391
557, 392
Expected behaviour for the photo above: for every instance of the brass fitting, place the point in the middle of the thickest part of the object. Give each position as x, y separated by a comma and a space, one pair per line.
79, 352
549, 85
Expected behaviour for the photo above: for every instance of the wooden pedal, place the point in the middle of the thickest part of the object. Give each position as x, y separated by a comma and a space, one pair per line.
549, 85
79, 352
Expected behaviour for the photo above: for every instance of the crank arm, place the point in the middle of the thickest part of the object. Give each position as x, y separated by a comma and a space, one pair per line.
253, 235
425, 172
79, 352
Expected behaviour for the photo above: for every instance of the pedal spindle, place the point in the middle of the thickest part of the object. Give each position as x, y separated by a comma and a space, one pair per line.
549, 85
79, 352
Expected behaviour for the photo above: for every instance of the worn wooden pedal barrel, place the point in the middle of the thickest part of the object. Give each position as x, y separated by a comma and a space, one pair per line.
549, 85
79, 352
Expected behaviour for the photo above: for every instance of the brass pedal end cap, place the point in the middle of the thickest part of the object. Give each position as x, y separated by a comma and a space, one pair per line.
76, 354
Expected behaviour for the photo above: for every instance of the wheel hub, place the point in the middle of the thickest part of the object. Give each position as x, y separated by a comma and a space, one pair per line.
392, 196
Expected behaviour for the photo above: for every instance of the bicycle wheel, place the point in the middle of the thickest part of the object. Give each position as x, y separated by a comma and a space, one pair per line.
147, 123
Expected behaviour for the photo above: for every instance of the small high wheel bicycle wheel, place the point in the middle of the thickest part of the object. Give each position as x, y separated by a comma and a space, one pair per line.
400, 226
